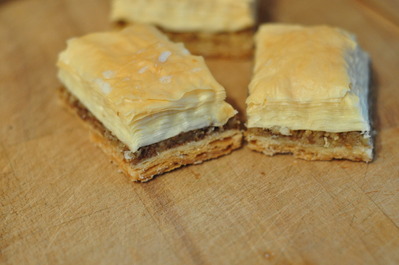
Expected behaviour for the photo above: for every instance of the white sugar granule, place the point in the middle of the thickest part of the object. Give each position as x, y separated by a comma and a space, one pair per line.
165, 79
194, 70
143, 69
108, 74
104, 86
164, 56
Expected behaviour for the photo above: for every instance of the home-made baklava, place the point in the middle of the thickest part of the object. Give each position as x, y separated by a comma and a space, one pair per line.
151, 105
213, 28
309, 94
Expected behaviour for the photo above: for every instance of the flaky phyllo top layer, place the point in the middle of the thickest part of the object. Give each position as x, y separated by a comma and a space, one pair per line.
308, 78
141, 86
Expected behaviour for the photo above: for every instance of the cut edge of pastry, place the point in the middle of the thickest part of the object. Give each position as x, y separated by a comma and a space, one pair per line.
213, 145
228, 45
320, 147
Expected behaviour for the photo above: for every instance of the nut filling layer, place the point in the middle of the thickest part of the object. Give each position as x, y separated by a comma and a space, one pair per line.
317, 138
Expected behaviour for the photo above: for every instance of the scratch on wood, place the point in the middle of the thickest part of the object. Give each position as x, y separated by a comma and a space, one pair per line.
159, 197
52, 239
365, 175
82, 216
298, 219
383, 212
352, 220
372, 191
154, 221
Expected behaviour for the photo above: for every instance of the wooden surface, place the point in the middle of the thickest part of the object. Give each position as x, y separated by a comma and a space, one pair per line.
63, 202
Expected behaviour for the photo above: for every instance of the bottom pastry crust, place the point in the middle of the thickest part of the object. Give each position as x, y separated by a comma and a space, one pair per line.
311, 145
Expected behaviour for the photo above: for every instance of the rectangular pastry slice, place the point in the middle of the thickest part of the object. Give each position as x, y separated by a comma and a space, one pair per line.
213, 28
150, 104
309, 94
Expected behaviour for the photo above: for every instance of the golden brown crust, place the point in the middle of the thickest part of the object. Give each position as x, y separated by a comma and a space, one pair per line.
237, 45
208, 146
319, 147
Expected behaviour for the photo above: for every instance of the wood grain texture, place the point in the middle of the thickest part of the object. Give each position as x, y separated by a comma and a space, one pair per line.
63, 202
387, 9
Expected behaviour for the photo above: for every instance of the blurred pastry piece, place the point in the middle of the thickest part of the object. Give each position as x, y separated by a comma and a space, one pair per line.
150, 104
212, 28
309, 94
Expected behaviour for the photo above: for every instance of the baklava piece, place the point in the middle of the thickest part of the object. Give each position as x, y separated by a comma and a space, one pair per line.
309, 94
150, 104
212, 28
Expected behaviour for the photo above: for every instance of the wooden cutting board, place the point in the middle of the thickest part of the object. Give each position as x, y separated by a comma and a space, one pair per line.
63, 202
